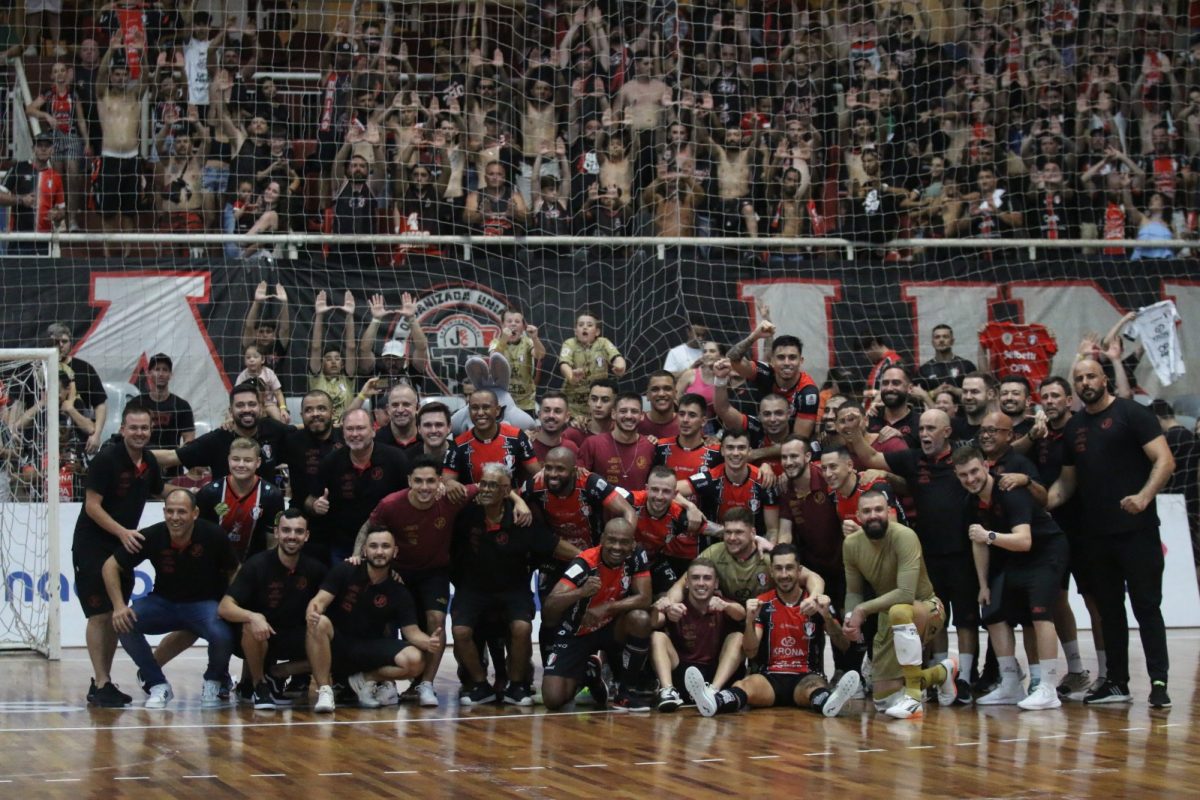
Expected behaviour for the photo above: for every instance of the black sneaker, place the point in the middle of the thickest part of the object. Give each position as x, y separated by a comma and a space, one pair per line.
91, 691
1111, 692
964, 693
264, 699
277, 690
109, 696
1158, 695
628, 701
479, 694
297, 686
245, 692
594, 681
518, 694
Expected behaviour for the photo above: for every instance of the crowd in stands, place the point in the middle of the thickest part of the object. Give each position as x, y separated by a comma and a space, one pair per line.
871, 120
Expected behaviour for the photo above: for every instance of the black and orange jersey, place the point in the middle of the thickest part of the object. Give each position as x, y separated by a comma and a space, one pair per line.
668, 534
616, 583
789, 641
578, 516
804, 397
759, 438
686, 461
847, 507
716, 494
468, 454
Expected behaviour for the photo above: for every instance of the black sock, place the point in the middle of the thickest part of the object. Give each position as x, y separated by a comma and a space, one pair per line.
729, 700
818, 698
633, 660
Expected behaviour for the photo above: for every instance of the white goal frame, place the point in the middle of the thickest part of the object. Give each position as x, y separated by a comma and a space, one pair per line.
53, 649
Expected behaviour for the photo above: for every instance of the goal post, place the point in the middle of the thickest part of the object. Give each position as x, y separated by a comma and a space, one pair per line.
29, 502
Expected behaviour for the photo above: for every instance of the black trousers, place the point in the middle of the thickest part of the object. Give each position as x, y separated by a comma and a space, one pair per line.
1132, 561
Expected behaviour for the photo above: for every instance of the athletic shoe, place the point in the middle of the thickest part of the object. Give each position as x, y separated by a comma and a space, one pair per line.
278, 690
264, 700
963, 688
1074, 683
1002, 695
297, 686
224, 687
481, 693
846, 687
386, 693
1108, 692
1158, 695
410, 695
160, 695
244, 693
364, 690
210, 695
628, 701
701, 692
91, 692
142, 683
584, 697
426, 696
594, 681
947, 690
906, 708
518, 694
108, 696
325, 702
669, 699
1041, 699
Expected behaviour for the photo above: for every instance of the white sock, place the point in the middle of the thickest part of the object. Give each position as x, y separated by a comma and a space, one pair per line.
1050, 675
1035, 672
1074, 661
1010, 674
1101, 664
965, 662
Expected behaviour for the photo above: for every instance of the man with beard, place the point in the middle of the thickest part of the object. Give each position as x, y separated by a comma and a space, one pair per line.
885, 555
350, 482
743, 571
848, 423
939, 499
1047, 454
767, 431
623, 456
1011, 468
897, 413
1122, 523
1019, 583
354, 213
785, 629
401, 429
267, 601
212, 449
945, 369
352, 624
304, 447
1013, 396
734, 484
700, 632
782, 376
667, 528
489, 441
978, 399
661, 422
491, 556
553, 430
687, 452
244, 505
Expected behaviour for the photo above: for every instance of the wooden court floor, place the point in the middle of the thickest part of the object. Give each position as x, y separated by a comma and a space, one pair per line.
52, 745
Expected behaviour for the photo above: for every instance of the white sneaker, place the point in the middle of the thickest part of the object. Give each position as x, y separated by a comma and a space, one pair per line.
324, 703
1042, 698
160, 695
386, 693
1002, 695
426, 696
210, 695
908, 707
701, 692
365, 690
948, 689
865, 673
846, 688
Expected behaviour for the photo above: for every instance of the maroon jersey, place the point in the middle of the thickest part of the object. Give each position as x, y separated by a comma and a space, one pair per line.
659, 430
699, 634
816, 528
667, 534
542, 450
422, 535
616, 583
577, 516
789, 641
626, 465
468, 454
686, 461
716, 494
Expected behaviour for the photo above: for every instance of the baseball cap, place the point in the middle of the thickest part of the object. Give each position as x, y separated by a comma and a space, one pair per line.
43, 138
160, 358
394, 348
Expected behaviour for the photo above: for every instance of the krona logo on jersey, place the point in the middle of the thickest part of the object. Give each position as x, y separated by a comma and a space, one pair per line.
459, 321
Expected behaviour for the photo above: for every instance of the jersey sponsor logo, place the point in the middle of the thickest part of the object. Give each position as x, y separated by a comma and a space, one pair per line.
1107, 423
377, 473
439, 523
788, 641
380, 600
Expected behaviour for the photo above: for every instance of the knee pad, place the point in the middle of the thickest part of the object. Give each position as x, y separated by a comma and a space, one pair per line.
900, 614
907, 644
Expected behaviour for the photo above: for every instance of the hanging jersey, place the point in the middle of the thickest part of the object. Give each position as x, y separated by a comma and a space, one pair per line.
1156, 327
1015, 349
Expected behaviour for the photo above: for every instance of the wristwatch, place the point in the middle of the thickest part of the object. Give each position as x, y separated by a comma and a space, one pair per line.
991, 537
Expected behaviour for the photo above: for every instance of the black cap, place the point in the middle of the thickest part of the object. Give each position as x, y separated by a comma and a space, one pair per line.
43, 138
160, 358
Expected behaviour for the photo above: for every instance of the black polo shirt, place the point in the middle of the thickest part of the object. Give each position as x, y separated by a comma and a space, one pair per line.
934, 373
171, 418
264, 585
908, 425
199, 570
212, 449
496, 558
123, 488
1006, 511
385, 435
1012, 461
354, 492
365, 610
939, 498
302, 452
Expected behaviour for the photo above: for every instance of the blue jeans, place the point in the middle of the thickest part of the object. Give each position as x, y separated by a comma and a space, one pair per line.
156, 614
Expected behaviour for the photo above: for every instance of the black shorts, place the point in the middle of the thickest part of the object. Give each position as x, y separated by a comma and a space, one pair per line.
88, 560
286, 645
430, 590
471, 606
1030, 591
326, 152
118, 185
352, 655
955, 582
1078, 564
727, 219
784, 685
663, 575
709, 671
569, 654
